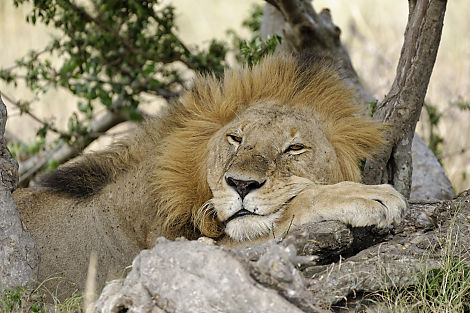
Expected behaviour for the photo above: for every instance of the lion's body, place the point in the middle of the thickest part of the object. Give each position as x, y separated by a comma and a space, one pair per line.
245, 157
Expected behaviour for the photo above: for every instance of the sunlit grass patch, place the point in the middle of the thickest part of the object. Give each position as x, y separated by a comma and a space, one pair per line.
439, 290
19, 300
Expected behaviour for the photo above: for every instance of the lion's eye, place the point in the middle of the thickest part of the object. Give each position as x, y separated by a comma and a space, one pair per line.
295, 148
234, 139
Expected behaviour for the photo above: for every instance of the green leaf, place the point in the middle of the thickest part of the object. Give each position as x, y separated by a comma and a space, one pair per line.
42, 132
105, 98
372, 107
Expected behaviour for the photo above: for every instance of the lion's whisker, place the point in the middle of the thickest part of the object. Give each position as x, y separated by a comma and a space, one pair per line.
207, 208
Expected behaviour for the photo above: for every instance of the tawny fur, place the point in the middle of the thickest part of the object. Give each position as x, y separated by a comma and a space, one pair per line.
178, 184
180, 174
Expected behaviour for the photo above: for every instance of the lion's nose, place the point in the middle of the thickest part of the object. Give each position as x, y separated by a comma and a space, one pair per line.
243, 187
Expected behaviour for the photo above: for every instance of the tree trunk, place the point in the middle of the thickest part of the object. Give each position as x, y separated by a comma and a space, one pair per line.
18, 254
401, 107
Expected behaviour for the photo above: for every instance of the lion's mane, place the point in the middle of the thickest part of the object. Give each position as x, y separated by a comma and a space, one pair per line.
174, 147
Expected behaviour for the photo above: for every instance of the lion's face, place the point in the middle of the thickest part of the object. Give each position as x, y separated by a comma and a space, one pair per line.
260, 161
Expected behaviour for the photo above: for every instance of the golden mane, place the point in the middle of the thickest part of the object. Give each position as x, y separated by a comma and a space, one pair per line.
173, 149
178, 184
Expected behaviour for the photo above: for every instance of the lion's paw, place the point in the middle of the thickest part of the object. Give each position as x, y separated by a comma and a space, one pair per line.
379, 205
355, 204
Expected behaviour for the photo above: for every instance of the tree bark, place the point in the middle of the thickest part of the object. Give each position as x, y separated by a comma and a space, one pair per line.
401, 106
303, 29
19, 259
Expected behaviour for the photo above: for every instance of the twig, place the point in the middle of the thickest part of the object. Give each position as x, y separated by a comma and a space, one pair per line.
139, 87
34, 117
33, 57
63, 152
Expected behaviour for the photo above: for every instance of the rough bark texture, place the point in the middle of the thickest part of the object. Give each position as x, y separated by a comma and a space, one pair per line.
8, 164
402, 105
304, 29
294, 275
18, 255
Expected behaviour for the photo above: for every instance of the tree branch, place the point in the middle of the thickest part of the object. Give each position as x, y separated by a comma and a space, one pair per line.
305, 29
63, 152
401, 107
36, 118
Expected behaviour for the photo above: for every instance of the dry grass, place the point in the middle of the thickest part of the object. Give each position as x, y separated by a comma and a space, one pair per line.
445, 289
372, 31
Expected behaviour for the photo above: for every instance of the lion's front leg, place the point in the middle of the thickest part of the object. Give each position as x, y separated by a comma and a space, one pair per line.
351, 203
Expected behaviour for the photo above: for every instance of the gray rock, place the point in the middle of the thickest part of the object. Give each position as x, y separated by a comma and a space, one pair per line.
18, 255
189, 276
429, 181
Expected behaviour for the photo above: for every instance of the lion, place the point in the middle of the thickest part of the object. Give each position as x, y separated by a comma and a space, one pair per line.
240, 159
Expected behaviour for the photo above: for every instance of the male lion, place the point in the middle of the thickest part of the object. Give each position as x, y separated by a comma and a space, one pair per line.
238, 159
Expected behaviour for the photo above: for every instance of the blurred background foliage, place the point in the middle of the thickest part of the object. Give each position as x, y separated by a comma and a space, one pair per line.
112, 53
65, 63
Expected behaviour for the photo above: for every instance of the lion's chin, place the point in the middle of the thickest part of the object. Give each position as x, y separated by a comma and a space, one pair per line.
250, 227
